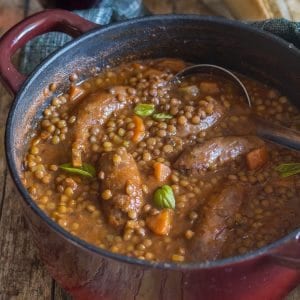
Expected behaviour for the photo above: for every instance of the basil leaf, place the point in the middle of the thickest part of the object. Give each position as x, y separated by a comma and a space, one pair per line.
286, 170
164, 197
144, 110
86, 169
162, 116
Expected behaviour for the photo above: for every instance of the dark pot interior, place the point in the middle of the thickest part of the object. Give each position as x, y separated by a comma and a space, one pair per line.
192, 38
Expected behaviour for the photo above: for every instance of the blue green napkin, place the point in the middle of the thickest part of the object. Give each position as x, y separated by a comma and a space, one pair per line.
290, 31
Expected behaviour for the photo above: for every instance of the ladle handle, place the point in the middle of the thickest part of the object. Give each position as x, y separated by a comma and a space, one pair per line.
278, 134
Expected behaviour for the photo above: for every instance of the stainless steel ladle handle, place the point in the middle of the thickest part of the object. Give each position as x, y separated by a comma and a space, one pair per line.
213, 70
267, 130
276, 133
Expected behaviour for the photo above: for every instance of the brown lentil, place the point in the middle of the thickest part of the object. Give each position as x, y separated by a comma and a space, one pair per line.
269, 210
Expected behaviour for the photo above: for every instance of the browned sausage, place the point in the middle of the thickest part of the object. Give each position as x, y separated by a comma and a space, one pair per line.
213, 229
216, 152
93, 110
122, 179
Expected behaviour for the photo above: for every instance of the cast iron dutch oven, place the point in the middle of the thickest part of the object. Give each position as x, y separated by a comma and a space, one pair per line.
88, 272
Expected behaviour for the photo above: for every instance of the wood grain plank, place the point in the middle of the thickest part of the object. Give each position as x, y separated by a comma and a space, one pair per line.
34, 6
5, 99
294, 295
159, 6
59, 293
11, 12
21, 274
191, 7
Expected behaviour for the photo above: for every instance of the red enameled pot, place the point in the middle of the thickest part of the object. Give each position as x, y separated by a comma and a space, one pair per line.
86, 271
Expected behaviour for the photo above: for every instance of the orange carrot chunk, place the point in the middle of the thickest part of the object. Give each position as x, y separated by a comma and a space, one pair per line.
161, 171
161, 223
139, 129
257, 158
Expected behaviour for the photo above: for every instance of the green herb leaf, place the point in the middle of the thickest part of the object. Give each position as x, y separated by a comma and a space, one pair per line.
86, 169
159, 116
286, 170
164, 197
144, 110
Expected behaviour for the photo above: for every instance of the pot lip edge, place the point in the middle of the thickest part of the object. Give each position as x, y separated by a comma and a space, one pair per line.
227, 262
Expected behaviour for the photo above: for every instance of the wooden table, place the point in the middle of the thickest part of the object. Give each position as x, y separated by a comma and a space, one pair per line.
22, 275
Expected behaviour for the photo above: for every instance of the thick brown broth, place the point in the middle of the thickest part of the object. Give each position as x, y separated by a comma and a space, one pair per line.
228, 201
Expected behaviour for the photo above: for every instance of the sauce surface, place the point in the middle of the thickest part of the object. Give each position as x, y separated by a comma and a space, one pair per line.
164, 173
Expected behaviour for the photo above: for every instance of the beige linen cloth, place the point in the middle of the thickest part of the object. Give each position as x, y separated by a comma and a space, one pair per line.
255, 9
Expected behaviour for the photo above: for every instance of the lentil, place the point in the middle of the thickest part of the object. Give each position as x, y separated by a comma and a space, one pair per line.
120, 215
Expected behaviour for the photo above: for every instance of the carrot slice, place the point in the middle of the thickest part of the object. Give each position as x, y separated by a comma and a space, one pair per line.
139, 130
257, 158
161, 223
75, 92
161, 171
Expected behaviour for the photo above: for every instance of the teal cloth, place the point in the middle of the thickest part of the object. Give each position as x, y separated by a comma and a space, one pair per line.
106, 12
290, 31
113, 10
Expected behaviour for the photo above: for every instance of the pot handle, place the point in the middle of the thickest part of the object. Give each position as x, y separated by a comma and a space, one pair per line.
288, 254
37, 24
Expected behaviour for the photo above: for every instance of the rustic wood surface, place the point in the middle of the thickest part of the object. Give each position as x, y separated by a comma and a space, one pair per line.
22, 275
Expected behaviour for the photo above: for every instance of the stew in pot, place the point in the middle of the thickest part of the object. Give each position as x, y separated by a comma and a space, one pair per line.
132, 164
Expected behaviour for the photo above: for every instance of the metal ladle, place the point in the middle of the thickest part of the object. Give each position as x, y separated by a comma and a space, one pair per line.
267, 130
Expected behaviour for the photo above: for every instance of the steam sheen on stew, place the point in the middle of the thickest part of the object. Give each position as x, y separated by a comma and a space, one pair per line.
128, 163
